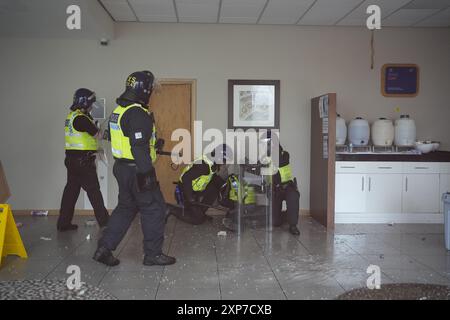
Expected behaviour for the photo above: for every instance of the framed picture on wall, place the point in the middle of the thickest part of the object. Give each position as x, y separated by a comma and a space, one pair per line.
253, 104
99, 109
400, 80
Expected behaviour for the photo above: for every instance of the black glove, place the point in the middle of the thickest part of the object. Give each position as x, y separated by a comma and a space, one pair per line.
147, 181
159, 145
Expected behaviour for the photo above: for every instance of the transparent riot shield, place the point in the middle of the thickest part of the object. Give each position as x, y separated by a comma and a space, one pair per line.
253, 207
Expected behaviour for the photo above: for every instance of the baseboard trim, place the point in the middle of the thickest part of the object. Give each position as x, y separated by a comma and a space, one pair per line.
81, 212
305, 212
387, 218
54, 212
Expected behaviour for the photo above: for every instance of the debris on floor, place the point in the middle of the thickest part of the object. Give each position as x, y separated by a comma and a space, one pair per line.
50, 289
222, 234
90, 223
46, 239
39, 213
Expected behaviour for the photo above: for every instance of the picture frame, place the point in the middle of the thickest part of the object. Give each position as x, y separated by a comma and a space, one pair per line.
254, 104
99, 109
400, 80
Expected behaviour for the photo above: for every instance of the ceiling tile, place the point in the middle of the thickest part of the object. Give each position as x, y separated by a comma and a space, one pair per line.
428, 4
284, 11
359, 16
119, 10
328, 12
241, 11
154, 10
204, 11
156, 18
407, 17
442, 19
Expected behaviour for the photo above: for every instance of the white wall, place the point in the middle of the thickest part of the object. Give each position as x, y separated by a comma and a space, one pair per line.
38, 77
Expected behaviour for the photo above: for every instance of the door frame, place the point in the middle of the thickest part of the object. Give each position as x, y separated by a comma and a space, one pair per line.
193, 84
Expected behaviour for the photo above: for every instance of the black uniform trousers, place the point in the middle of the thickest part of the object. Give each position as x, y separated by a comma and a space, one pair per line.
150, 205
290, 194
194, 214
81, 173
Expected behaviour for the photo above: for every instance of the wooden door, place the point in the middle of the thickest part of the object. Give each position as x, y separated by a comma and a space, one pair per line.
172, 106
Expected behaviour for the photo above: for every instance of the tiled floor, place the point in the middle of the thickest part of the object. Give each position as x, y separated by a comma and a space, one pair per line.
256, 265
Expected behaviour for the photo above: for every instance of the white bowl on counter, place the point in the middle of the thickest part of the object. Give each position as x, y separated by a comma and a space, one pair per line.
424, 147
436, 145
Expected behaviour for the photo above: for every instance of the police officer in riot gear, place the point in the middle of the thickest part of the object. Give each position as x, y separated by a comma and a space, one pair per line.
201, 182
133, 139
81, 134
285, 189
284, 186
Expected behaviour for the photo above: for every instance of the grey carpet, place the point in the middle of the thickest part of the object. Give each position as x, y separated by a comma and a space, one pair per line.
49, 290
400, 291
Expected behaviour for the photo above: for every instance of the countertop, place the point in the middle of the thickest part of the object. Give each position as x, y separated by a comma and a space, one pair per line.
437, 156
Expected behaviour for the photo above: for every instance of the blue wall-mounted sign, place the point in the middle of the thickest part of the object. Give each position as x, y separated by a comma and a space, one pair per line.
400, 80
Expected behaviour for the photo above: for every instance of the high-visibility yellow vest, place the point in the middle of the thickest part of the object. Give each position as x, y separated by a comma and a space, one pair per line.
199, 184
120, 144
286, 173
249, 191
77, 140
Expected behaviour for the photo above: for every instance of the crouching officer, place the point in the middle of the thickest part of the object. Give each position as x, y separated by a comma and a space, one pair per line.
229, 198
133, 138
201, 182
81, 134
285, 189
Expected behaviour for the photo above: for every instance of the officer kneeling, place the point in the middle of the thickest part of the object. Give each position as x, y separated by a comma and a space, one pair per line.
200, 183
133, 139
285, 189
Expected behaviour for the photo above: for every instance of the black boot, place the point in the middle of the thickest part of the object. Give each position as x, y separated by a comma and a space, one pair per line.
68, 227
105, 256
294, 230
160, 260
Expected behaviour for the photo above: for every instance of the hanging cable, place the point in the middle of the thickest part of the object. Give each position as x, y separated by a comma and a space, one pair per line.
372, 50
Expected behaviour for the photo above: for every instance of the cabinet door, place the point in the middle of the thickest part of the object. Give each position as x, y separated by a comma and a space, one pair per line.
444, 187
421, 193
384, 193
350, 193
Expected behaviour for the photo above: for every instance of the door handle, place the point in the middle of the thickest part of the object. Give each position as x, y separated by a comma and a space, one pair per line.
362, 184
370, 183
421, 168
406, 185
384, 167
347, 167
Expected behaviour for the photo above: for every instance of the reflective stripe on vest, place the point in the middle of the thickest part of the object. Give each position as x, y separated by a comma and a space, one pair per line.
286, 173
249, 191
120, 144
77, 140
199, 184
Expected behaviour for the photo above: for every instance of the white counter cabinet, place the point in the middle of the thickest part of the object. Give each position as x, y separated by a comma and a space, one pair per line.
385, 192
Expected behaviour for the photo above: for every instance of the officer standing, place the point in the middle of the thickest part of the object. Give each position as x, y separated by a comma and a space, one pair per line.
133, 139
81, 134
200, 184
